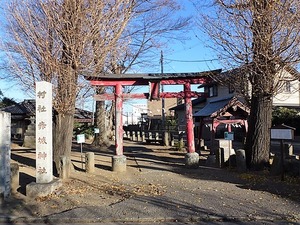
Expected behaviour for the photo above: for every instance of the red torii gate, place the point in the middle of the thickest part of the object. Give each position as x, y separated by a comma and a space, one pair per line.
154, 81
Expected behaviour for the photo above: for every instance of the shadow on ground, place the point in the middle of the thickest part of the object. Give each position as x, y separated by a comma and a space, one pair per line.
159, 158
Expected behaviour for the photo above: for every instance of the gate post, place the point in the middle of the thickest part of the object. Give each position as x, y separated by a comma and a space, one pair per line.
119, 160
192, 157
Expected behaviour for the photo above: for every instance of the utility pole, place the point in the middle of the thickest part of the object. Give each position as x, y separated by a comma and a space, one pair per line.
165, 132
162, 90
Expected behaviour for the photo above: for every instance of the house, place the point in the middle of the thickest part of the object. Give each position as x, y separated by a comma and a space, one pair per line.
23, 120
133, 117
156, 108
179, 110
288, 94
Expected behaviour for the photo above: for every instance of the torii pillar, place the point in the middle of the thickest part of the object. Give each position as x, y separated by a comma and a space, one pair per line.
118, 160
192, 157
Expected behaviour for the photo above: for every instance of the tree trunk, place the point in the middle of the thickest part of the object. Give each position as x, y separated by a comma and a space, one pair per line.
63, 134
101, 139
100, 121
111, 121
258, 136
262, 76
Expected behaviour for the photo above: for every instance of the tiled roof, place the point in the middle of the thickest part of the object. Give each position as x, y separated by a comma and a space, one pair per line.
194, 102
214, 108
83, 115
27, 109
151, 76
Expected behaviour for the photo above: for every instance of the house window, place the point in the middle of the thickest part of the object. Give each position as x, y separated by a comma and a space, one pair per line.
213, 91
287, 86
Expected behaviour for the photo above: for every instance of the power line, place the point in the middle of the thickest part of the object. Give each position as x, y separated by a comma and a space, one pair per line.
192, 61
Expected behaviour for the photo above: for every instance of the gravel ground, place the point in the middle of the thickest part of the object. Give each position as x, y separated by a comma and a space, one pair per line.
155, 187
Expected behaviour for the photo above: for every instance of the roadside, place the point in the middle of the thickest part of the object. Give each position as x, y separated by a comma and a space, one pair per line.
156, 186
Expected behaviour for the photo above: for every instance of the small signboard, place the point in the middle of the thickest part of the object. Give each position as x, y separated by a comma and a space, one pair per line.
282, 132
96, 130
229, 136
80, 138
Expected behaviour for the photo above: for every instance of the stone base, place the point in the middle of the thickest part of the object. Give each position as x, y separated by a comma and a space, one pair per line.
192, 160
119, 163
29, 142
241, 161
34, 190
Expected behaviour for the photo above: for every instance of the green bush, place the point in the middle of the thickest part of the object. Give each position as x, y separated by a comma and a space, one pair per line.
83, 129
289, 117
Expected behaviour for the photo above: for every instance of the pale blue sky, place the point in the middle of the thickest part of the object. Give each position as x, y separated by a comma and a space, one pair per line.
188, 56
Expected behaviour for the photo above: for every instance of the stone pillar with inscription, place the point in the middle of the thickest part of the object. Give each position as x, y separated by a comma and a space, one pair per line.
44, 153
43, 122
5, 128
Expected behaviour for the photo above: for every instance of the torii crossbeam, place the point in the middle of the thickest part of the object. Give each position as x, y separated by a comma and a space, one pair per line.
154, 81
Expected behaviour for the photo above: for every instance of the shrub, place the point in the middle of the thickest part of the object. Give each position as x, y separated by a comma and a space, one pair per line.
290, 117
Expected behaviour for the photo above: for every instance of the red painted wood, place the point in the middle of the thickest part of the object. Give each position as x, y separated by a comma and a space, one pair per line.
189, 118
118, 120
154, 90
108, 96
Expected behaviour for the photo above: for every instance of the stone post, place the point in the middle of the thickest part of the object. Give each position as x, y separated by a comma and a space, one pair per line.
64, 167
172, 142
143, 137
5, 131
138, 136
44, 151
227, 151
135, 136
220, 157
156, 137
288, 150
166, 138
119, 163
181, 142
150, 136
45, 184
15, 177
201, 143
132, 136
90, 162
241, 161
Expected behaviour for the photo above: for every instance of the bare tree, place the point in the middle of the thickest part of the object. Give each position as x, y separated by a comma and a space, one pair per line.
155, 23
59, 41
261, 38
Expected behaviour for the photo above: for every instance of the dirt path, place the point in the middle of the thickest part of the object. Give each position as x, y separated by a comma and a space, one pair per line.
152, 171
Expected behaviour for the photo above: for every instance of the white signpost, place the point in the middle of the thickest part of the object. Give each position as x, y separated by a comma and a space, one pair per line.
5, 130
80, 140
44, 151
282, 133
